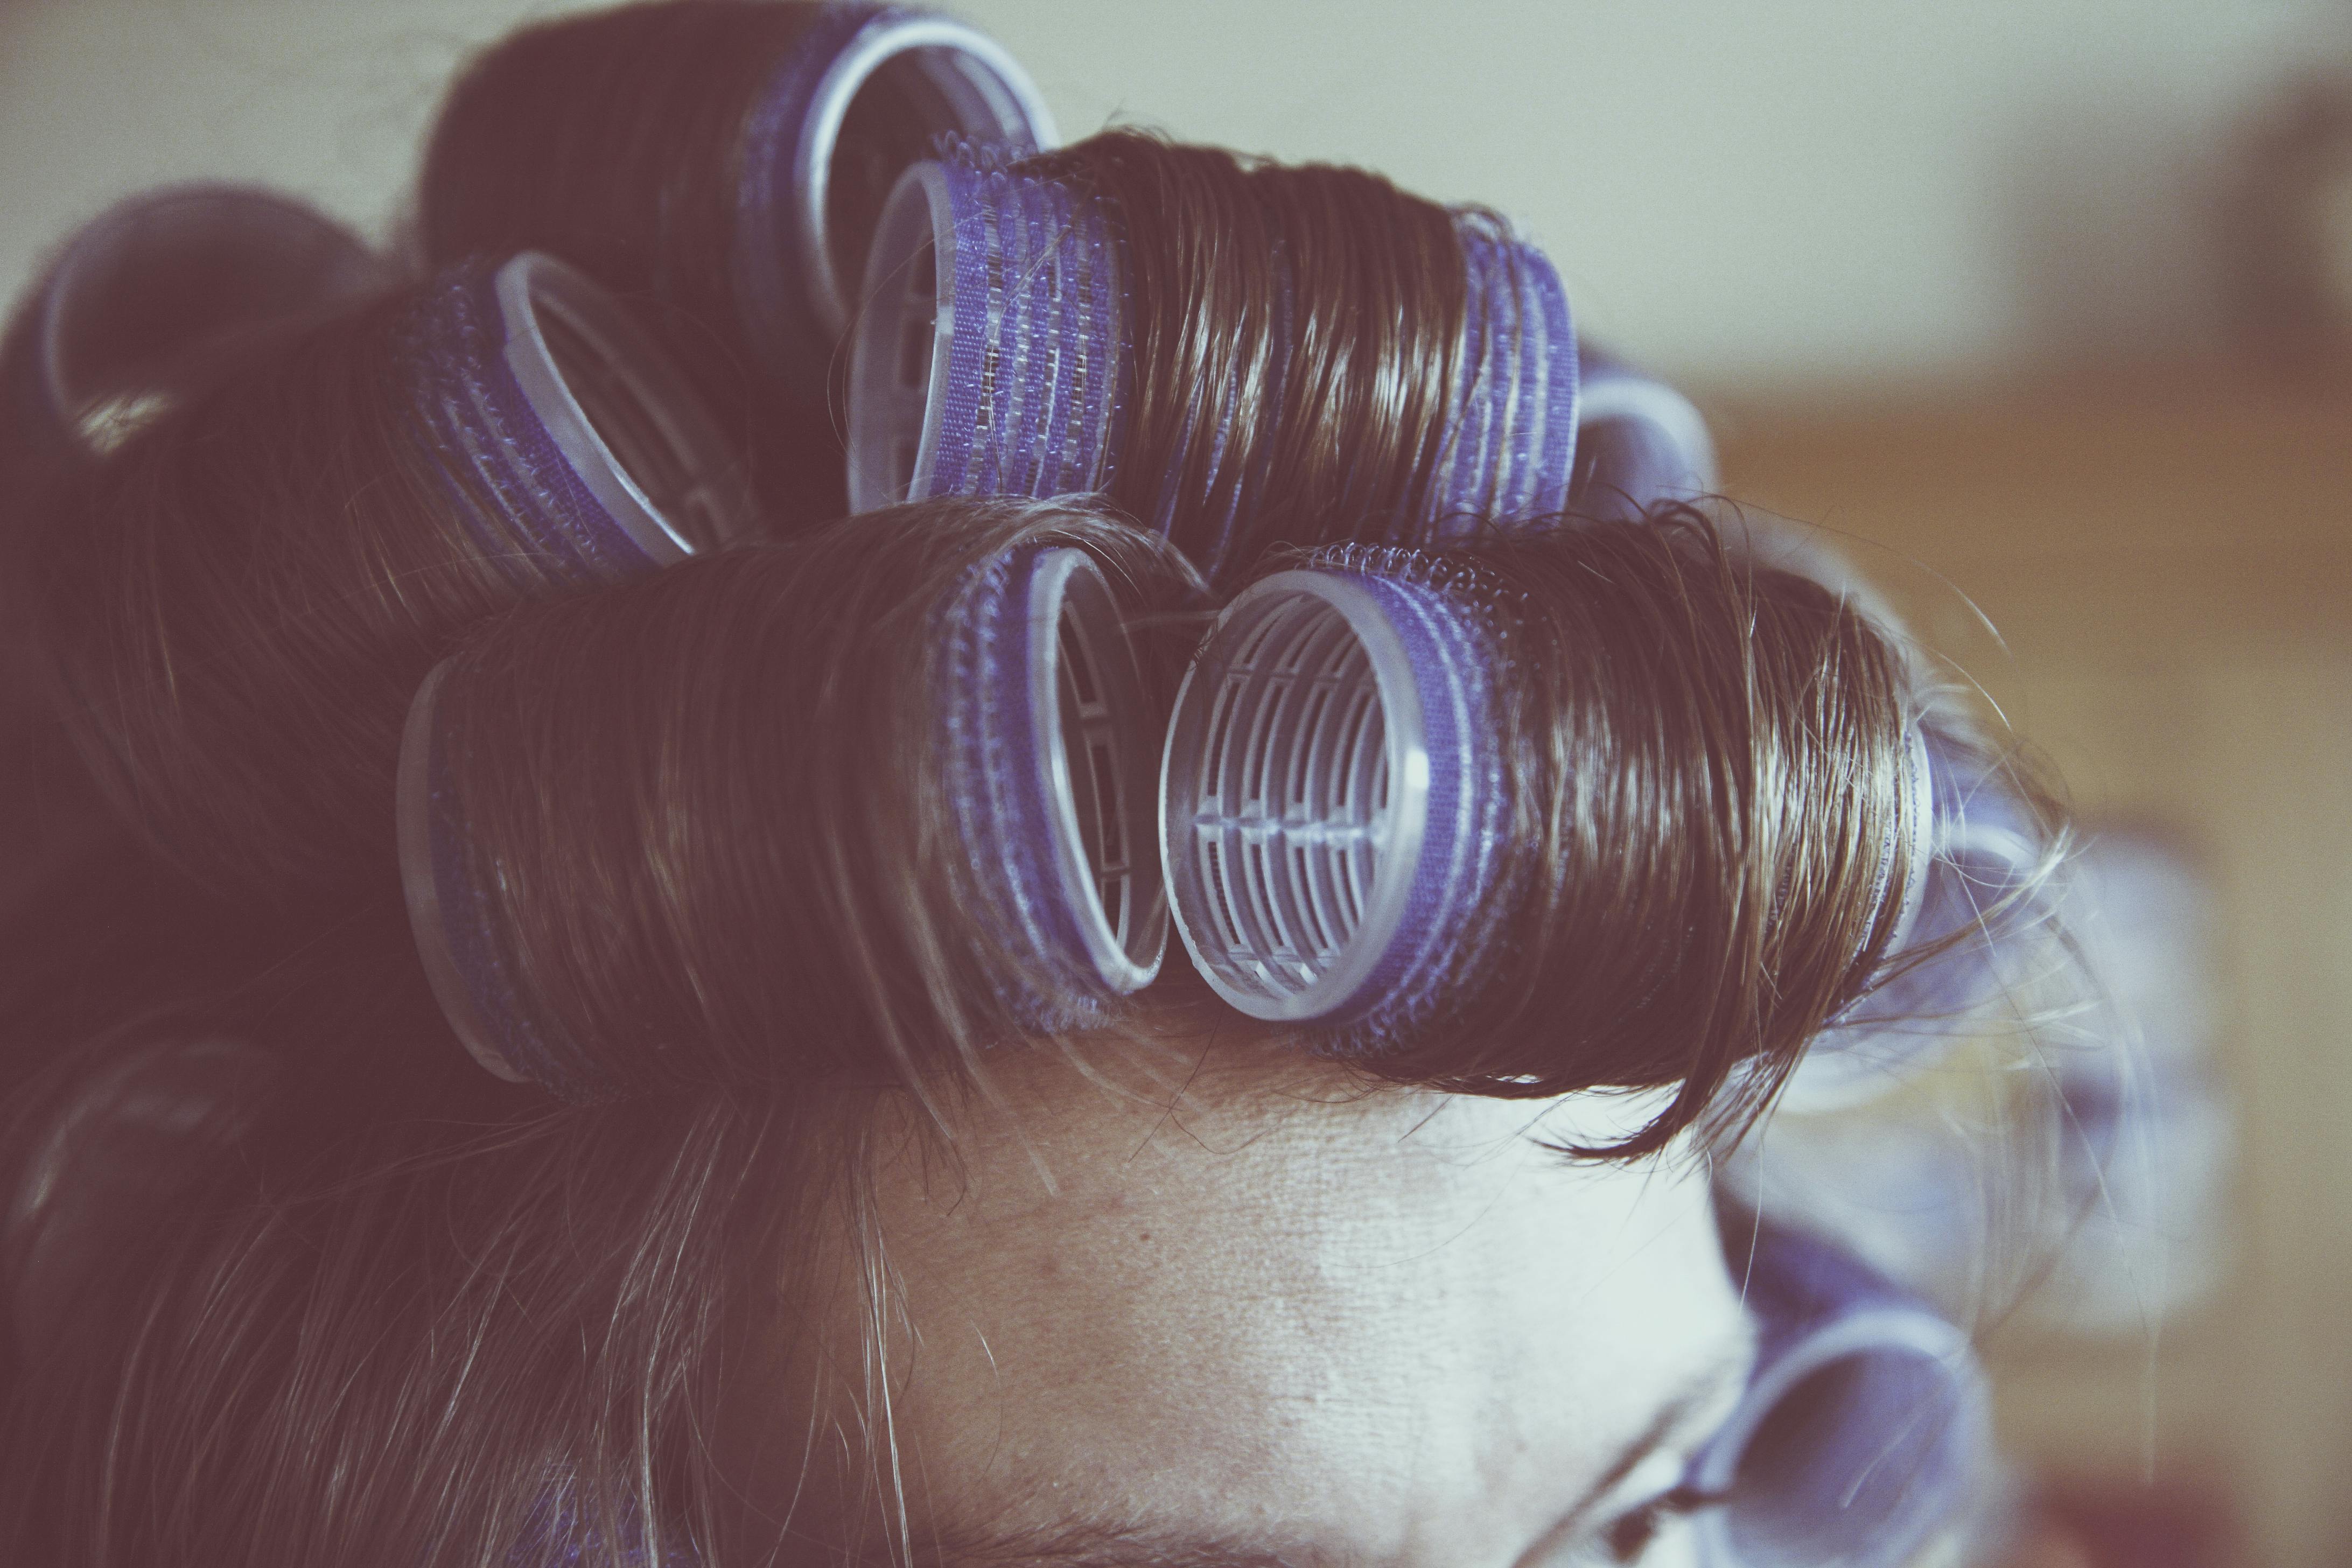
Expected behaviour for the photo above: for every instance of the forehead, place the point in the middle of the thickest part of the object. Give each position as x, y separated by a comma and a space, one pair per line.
1279, 1307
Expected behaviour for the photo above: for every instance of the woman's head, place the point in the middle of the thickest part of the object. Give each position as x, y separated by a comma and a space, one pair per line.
995, 1289
861, 1231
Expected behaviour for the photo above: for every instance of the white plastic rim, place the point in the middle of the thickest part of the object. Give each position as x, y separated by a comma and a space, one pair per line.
991, 99
1094, 746
148, 246
1294, 796
899, 350
413, 813
1938, 1351
1636, 397
624, 417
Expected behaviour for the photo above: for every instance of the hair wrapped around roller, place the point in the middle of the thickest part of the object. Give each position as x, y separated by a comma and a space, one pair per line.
237, 603
840, 803
1614, 803
721, 164
136, 305
1238, 353
1246, 548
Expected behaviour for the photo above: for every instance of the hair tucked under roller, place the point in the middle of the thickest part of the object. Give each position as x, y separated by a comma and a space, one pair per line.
1865, 1433
138, 301
1607, 804
239, 603
724, 163
1239, 354
883, 787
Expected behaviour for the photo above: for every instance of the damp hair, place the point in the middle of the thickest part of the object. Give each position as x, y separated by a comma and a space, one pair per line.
1242, 354
269, 565
1338, 395
657, 146
261, 1365
371, 1252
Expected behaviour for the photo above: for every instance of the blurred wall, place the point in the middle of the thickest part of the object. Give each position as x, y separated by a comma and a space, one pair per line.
1741, 193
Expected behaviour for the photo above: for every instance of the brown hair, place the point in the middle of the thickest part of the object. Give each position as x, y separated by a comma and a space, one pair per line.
265, 570
1316, 311
399, 1256
715, 809
396, 1312
1703, 857
638, 143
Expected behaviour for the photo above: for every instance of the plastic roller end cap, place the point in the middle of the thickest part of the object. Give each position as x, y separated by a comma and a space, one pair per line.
426, 881
618, 411
899, 356
978, 90
1294, 797
1095, 758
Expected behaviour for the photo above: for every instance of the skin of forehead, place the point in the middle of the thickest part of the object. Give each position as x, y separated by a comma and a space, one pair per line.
1372, 1326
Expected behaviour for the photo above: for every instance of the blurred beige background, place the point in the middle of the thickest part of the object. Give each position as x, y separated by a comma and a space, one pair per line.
1948, 279
1736, 191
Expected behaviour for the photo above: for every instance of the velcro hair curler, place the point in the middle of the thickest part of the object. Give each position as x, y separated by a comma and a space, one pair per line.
240, 601
816, 162
560, 434
722, 166
1384, 763
1049, 771
1331, 800
141, 297
999, 354
1639, 443
992, 352
556, 1534
1865, 1435
1042, 892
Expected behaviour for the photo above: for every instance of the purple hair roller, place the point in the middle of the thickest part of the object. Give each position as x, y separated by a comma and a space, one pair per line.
992, 356
1866, 1431
789, 283
135, 300
995, 351
563, 438
1638, 443
1330, 804
1512, 422
1047, 749
454, 915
